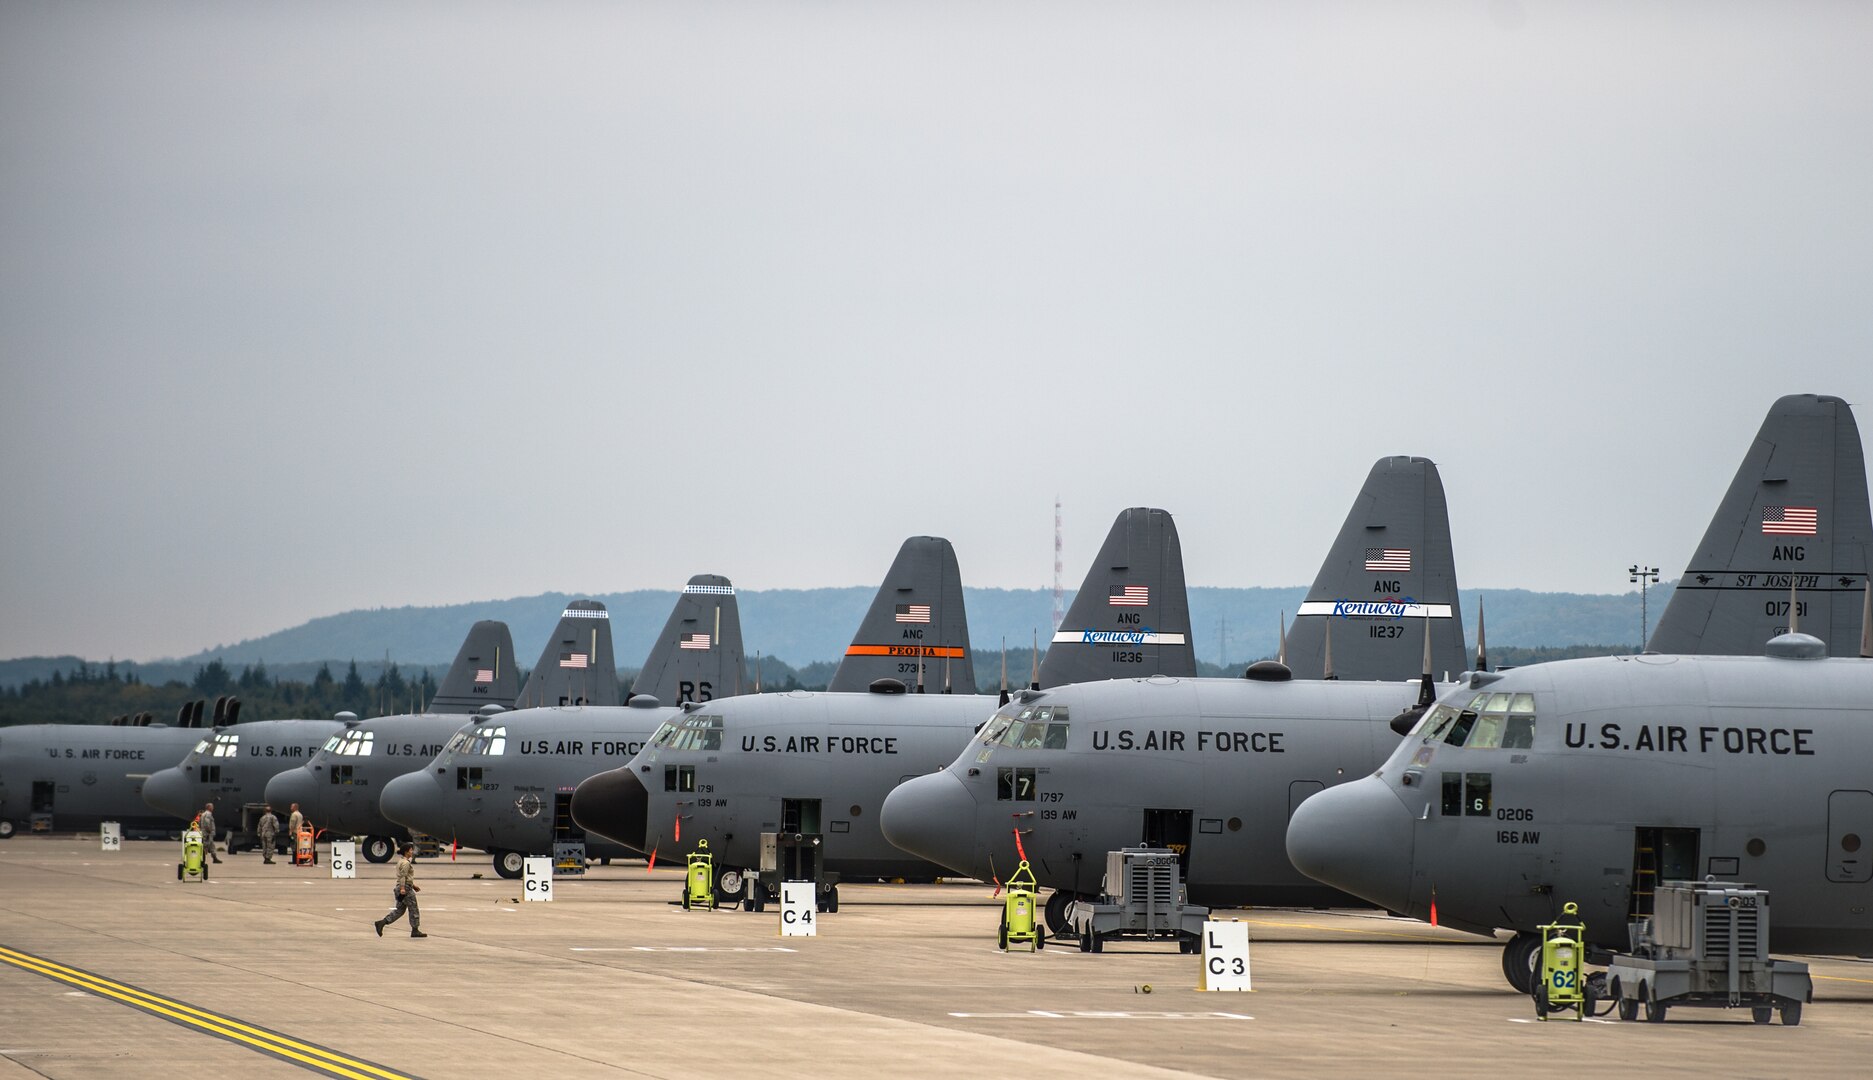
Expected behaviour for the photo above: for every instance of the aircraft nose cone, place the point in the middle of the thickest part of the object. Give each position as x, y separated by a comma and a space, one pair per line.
615, 805
932, 817
1356, 837
293, 786
172, 792
414, 801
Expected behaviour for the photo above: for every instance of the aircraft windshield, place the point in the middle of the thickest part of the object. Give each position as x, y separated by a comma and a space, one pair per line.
201, 747
699, 731
352, 743
1491, 721
662, 734
488, 741
1034, 727
227, 745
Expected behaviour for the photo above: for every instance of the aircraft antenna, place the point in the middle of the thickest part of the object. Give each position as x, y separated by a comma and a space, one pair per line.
1281, 652
1326, 671
921, 649
1034, 656
946, 674
1059, 613
1426, 692
1793, 623
1004, 700
757, 671
1482, 649
1866, 621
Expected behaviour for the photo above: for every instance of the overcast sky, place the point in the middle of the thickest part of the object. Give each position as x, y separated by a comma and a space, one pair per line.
310, 307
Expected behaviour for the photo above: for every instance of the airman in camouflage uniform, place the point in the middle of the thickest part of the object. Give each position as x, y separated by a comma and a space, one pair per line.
206, 819
268, 829
405, 894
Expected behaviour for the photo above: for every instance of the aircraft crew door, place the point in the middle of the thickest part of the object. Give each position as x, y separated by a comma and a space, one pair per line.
42, 805
1659, 855
1849, 827
564, 828
1170, 829
799, 815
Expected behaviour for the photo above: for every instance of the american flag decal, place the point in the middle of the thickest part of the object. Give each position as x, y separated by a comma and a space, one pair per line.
693, 641
1388, 559
1128, 596
574, 660
1789, 520
484, 675
913, 613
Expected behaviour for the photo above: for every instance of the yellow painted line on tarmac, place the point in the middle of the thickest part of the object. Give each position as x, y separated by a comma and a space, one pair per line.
1841, 978
307, 1055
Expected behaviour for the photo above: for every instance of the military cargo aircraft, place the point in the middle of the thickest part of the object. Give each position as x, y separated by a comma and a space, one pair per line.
230, 766
233, 767
1591, 781
339, 788
76, 776
504, 782
822, 763
1210, 768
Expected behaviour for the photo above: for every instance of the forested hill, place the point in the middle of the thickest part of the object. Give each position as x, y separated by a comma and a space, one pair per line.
805, 626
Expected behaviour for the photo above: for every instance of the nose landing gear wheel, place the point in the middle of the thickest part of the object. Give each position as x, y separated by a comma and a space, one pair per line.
1518, 962
1056, 913
378, 849
510, 864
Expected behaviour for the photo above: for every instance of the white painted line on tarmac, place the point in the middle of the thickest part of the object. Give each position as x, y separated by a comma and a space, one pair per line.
685, 948
1045, 1014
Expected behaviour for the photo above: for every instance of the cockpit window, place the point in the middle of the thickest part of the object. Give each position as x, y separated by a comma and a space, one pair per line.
1033, 727
227, 745
697, 731
201, 747
486, 741
1491, 721
331, 744
662, 734
353, 743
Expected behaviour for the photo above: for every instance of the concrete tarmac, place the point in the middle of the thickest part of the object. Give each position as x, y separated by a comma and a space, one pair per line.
611, 980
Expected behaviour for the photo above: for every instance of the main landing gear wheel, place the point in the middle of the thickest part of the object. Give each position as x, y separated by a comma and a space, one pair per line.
379, 849
510, 864
1056, 914
1518, 961
728, 883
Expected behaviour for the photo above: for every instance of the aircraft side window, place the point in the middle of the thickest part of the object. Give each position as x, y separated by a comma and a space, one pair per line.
497, 742
1460, 731
1056, 735
366, 743
1453, 795
1487, 734
1520, 734
1476, 795
1014, 785
1437, 722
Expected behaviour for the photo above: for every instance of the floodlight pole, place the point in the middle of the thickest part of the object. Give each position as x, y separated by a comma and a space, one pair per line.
1643, 576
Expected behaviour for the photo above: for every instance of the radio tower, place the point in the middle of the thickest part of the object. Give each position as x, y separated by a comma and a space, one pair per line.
1059, 613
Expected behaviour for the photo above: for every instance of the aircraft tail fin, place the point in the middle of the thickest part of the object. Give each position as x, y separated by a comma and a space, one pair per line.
1795, 516
698, 656
915, 619
576, 667
1390, 565
1132, 614
484, 672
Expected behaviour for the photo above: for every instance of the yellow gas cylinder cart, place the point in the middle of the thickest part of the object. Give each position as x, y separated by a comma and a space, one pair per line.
699, 885
194, 864
1563, 984
1019, 922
